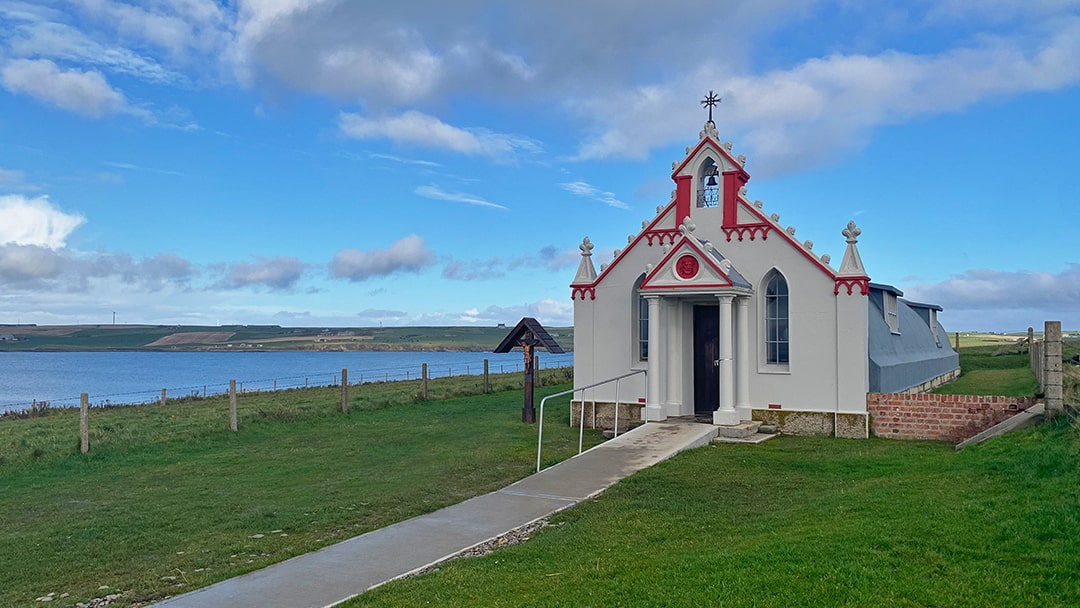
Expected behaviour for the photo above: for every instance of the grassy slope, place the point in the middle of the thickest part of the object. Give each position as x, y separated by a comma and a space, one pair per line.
801, 522
152, 502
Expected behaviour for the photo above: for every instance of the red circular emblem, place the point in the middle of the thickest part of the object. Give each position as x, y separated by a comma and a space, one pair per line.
687, 267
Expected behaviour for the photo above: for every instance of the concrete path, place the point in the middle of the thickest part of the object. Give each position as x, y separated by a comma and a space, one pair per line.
336, 573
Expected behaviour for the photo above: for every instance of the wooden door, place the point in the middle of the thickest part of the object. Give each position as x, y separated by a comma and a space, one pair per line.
706, 359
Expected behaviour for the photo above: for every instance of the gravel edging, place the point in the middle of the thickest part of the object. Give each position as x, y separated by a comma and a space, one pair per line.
513, 537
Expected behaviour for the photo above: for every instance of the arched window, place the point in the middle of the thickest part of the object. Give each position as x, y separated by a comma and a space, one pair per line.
708, 194
641, 322
776, 320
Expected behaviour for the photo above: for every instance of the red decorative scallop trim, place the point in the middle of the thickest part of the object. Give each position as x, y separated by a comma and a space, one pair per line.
751, 229
668, 234
863, 283
581, 290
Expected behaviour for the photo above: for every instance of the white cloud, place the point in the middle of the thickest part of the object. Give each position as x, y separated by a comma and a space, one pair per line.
458, 270
586, 190
547, 258
830, 102
404, 161
26, 263
408, 254
416, 128
278, 273
550, 258
37, 269
437, 193
35, 221
86, 93
549, 312
994, 299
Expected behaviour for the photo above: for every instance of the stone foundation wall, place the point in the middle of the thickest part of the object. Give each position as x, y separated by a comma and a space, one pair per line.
792, 422
951, 418
930, 385
601, 415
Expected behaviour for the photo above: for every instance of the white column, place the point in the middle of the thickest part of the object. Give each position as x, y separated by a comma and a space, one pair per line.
653, 409
672, 356
742, 357
726, 414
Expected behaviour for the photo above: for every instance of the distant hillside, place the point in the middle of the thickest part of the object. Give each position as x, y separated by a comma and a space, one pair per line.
257, 337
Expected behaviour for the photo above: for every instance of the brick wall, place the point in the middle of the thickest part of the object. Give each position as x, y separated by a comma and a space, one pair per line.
951, 418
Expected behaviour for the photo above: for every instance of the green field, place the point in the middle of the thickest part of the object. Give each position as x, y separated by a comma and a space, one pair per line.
1004, 369
259, 337
168, 500
801, 521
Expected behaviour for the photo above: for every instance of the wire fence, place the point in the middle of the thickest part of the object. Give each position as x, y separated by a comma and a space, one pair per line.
294, 379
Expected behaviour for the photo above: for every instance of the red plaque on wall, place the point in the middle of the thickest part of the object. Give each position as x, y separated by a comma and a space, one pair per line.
687, 267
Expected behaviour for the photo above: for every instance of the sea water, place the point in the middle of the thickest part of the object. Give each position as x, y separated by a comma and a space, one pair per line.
138, 377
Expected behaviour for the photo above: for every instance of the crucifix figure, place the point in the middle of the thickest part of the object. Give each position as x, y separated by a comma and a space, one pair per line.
710, 100
527, 342
527, 335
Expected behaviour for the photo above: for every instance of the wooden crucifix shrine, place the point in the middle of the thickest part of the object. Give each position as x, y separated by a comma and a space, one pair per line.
528, 334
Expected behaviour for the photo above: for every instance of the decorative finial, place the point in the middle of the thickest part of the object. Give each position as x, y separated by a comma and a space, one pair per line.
852, 232
710, 100
586, 247
688, 226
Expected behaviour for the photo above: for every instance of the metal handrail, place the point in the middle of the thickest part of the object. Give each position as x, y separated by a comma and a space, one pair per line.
581, 433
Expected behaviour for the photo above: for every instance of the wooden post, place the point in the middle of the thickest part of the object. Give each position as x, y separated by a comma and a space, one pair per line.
528, 409
956, 336
232, 405
1052, 390
487, 382
423, 382
204, 391
162, 397
344, 391
275, 384
84, 423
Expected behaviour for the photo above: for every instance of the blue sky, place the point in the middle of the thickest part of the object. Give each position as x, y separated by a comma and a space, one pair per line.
353, 163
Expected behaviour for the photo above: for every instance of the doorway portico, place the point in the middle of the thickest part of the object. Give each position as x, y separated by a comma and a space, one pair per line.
699, 364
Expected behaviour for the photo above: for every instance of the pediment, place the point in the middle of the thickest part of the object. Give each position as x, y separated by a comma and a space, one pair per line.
707, 147
688, 266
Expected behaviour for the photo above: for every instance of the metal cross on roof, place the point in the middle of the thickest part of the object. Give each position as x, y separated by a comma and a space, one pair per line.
710, 100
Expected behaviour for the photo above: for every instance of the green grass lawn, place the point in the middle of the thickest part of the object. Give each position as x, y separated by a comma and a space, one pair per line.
983, 373
801, 521
168, 500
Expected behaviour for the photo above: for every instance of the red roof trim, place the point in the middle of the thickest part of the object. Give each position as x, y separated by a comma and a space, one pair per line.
649, 230
721, 149
783, 233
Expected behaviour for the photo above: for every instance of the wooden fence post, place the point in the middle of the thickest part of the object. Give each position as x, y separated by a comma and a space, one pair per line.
423, 382
487, 382
344, 391
232, 405
84, 423
1055, 403
162, 397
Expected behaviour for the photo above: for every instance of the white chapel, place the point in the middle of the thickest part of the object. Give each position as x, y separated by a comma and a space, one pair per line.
729, 318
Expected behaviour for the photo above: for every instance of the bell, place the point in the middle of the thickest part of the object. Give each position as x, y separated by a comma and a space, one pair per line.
712, 178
